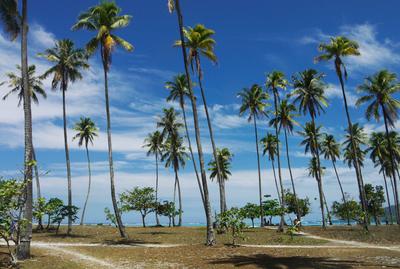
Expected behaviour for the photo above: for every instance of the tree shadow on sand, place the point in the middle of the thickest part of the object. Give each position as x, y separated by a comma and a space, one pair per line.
129, 242
294, 262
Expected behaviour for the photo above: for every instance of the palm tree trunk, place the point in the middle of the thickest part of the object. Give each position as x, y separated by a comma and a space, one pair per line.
38, 192
393, 166
223, 194
67, 160
191, 150
276, 182
179, 197
388, 198
341, 188
356, 163
210, 240
259, 174
282, 222
121, 227
291, 178
219, 177
393, 190
327, 210
157, 220
89, 185
23, 248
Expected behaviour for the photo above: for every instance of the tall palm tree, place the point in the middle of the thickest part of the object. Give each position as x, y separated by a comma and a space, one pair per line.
270, 147
312, 136
378, 149
179, 91
154, 143
87, 131
174, 148
379, 91
275, 81
254, 102
105, 19
224, 159
68, 63
331, 150
338, 48
210, 236
199, 42
284, 119
36, 88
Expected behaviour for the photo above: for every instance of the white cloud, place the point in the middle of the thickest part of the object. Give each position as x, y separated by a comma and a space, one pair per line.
41, 37
334, 91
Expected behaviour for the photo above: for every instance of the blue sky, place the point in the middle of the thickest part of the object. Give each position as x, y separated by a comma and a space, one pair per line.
253, 38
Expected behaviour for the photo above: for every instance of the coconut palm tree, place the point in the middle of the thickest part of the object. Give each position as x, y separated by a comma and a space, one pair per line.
179, 91
154, 143
312, 136
331, 150
210, 237
284, 119
68, 62
14, 24
175, 156
379, 155
275, 81
104, 19
270, 148
338, 48
199, 42
86, 132
224, 159
379, 91
36, 88
254, 102
171, 125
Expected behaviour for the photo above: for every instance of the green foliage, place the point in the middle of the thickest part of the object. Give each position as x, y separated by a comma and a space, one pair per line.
63, 212
304, 204
251, 211
167, 209
375, 198
39, 210
86, 131
52, 207
232, 221
272, 207
110, 216
139, 199
224, 158
349, 209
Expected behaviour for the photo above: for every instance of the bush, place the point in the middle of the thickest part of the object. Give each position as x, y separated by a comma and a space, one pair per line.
232, 221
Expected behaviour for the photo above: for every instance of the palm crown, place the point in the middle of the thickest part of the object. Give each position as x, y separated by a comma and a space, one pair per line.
359, 139
275, 80
68, 61
253, 101
104, 19
174, 153
199, 41
270, 146
379, 91
309, 92
178, 89
154, 143
224, 158
285, 116
169, 123
10, 17
311, 138
330, 148
87, 130
313, 167
15, 83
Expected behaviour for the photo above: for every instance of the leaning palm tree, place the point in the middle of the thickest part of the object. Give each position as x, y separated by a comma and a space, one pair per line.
379, 155
224, 159
199, 42
210, 237
270, 148
171, 125
15, 84
331, 150
86, 132
312, 136
379, 91
179, 91
284, 119
68, 63
338, 48
275, 81
14, 24
154, 143
105, 19
175, 156
254, 102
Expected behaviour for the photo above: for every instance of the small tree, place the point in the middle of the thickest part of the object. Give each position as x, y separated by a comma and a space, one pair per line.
375, 199
348, 209
272, 208
11, 221
139, 199
39, 210
52, 207
65, 211
303, 204
110, 217
232, 221
167, 209
251, 211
